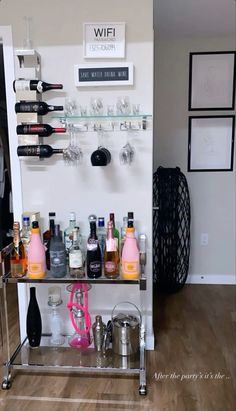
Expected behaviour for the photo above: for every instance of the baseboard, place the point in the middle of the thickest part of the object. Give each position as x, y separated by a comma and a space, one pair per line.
228, 279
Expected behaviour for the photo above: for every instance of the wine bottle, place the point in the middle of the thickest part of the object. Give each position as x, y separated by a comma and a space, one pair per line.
35, 85
42, 130
111, 258
41, 151
47, 235
76, 257
94, 259
115, 230
39, 107
33, 321
18, 258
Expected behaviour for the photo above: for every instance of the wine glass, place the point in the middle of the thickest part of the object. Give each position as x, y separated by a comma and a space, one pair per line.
126, 154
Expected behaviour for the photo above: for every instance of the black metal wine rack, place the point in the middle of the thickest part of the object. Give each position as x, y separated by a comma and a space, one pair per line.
171, 229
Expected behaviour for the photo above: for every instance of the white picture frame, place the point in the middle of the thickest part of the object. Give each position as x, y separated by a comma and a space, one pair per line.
211, 143
212, 81
104, 40
104, 74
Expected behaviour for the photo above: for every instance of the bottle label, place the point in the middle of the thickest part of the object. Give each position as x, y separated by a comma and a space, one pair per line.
40, 86
130, 267
111, 244
57, 258
22, 85
95, 266
110, 266
75, 260
92, 244
35, 268
68, 240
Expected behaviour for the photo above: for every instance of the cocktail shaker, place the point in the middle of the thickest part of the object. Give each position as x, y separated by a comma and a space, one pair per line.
99, 329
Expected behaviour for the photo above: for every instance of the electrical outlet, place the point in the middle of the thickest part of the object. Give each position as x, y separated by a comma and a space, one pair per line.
204, 239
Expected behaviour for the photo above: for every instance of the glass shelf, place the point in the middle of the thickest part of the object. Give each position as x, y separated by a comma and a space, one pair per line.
103, 117
66, 358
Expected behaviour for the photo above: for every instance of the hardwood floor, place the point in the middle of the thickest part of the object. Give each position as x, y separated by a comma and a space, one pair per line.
193, 367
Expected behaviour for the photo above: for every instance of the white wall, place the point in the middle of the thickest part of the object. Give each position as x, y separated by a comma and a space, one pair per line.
212, 194
57, 33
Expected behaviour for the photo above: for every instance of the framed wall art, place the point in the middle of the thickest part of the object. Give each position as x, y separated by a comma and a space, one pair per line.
211, 143
212, 80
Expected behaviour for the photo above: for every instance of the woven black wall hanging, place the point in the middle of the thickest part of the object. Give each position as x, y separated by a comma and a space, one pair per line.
171, 229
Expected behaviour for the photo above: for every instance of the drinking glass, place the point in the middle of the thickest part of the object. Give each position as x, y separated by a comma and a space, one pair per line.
70, 107
96, 106
123, 106
136, 109
126, 154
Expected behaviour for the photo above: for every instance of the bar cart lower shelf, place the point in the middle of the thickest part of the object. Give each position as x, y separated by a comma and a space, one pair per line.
48, 358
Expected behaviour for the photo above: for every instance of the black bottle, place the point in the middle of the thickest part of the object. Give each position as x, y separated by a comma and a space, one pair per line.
94, 258
39, 107
33, 321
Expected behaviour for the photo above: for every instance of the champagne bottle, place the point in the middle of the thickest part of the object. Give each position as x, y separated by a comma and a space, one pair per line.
36, 254
42, 130
115, 230
41, 151
39, 107
18, 258
37, 85
111, 258
130, 255
94, 259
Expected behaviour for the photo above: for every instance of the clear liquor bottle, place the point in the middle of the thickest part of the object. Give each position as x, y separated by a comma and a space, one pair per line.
25, 234
68, 233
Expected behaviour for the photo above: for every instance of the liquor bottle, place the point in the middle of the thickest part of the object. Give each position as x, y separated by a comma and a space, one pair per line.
101, 236
37, 85
111, 258
76, 257
33, 321
41, 151
57, 254
68, 233
42, 130
115, 230
36, 254
131, 219
130, 255
47, 235
94, 258
123, 233
39, 107
18, 260
25, 234
55, 317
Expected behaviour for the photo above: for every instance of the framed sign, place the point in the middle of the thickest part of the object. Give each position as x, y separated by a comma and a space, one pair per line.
104, 40
212, 81
107, 74
211, 143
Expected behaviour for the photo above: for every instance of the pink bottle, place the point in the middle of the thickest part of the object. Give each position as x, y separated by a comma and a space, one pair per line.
36, 254
130, 255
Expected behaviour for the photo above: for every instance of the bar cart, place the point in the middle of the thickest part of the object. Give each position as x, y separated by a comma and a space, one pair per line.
47, 358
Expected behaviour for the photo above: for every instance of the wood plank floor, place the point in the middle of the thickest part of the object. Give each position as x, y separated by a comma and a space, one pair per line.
193, 367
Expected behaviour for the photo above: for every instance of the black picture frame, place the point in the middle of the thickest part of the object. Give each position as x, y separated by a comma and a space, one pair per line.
212, 77
211, 143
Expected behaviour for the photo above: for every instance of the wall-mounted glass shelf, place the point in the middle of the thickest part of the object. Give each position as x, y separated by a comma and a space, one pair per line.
129, 122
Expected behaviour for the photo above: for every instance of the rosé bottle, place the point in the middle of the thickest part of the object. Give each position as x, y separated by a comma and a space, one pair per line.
36, 254
130, 255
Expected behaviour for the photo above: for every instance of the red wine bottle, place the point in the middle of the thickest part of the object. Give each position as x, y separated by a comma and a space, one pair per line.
42, 130
38, 150
36, 85
39, 107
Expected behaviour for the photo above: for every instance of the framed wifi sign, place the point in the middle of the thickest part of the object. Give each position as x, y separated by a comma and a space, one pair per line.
104, 40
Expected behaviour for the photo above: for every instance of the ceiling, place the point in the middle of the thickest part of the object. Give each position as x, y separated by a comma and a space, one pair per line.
195, 17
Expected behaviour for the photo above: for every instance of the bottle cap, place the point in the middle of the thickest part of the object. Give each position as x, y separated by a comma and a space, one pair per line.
101, 222
54, 296
35, 224
52, 214
72, 216
130, 215
92, 217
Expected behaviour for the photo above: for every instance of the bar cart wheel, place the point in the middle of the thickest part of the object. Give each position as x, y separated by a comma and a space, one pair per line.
143, 390
6, 384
